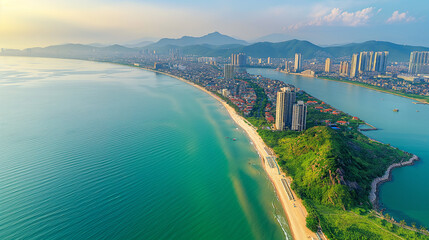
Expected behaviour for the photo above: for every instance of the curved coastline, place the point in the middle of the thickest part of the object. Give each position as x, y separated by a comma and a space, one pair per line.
375, 185
294, 210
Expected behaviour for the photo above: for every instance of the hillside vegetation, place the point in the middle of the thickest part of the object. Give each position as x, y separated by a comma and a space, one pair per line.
334, 168
332, 171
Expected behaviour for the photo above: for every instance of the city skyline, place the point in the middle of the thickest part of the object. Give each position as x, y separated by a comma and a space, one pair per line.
25, 23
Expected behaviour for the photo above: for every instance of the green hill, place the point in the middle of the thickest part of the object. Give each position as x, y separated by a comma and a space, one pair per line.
332, 172
334, 168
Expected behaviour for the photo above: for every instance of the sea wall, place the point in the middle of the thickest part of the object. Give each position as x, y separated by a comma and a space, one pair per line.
375, 185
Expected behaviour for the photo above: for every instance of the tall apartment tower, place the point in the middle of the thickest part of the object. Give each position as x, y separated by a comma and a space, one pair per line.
354, 68
328, 65
238, 59
234, 60
228, 71
299, 116
285, 100
344, 68
379, 62
370, 62
419, 63
364, 61
298, 62
287, 66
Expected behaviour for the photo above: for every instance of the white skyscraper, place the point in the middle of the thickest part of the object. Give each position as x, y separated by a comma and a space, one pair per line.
298, 62
328, 65
354, 68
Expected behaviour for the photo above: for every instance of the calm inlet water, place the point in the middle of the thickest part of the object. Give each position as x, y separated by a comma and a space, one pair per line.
406, 197
101, 151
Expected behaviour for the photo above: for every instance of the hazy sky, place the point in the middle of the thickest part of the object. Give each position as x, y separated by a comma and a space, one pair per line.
29, 23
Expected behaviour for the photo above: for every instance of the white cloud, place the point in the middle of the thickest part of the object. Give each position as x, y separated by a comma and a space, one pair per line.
336, 16
400, 17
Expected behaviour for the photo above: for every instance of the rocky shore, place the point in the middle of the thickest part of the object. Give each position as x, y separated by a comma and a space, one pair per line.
373, 195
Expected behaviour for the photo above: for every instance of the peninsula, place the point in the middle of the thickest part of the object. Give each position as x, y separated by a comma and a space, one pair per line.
321, 176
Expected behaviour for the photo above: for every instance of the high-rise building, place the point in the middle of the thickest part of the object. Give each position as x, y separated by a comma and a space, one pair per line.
298, 62
285, 100
370, 62
238, 60
269, 60
299, 116
242, 60
328, 65
354, 68
228, 71
287, 66
379, 62
365, 61
344, 68
419, 63
225, 92
233, 59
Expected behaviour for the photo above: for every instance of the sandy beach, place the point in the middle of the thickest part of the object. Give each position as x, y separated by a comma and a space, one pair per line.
293, 208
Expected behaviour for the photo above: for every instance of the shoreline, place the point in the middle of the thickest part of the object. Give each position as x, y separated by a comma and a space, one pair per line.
375, 185
294, 209
420, 101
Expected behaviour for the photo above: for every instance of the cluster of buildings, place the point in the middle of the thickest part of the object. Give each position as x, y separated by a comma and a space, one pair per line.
368, 62
289, 114
419, 63
239, 60
223, 74
297, 64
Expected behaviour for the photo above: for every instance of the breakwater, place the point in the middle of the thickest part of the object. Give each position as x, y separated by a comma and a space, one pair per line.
373, 195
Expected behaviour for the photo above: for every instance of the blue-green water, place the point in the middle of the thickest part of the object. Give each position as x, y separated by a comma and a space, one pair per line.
102, 151
407, 195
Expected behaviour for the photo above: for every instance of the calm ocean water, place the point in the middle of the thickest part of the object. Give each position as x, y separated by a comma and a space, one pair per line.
407, 196
101, 151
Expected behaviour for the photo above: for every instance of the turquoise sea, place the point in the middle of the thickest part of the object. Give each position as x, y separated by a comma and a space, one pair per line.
407, 195
102, 151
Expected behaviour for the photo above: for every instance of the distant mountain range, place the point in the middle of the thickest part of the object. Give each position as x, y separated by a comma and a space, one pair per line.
214, 38
287, 49
274, 38
216, 44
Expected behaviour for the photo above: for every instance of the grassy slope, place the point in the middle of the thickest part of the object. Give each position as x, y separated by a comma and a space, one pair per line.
332, 172
334, 168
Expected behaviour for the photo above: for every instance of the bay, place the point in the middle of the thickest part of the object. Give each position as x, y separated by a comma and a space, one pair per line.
102, 151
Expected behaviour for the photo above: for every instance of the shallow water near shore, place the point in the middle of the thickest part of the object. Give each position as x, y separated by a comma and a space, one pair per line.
406, 196
102, 151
